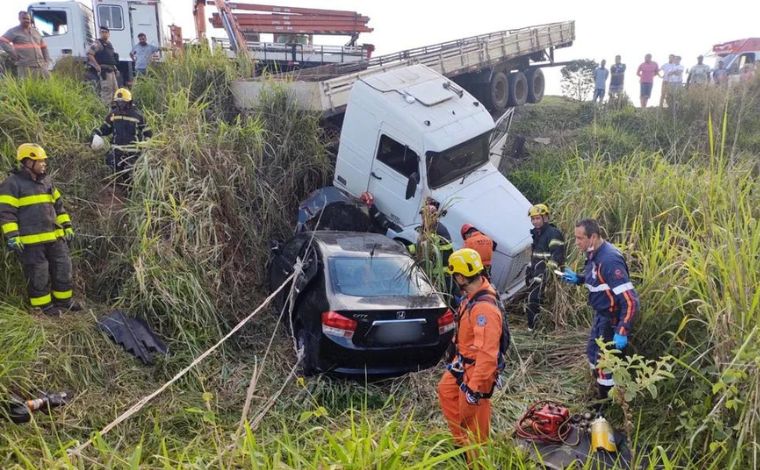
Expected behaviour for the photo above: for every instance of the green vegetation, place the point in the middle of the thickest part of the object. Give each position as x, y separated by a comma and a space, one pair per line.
676, 189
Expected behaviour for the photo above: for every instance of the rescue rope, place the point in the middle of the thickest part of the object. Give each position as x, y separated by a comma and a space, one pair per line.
289, 305
144, 401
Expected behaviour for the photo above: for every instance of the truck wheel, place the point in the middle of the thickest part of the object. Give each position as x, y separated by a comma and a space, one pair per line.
498, 92
536, 85
518, 89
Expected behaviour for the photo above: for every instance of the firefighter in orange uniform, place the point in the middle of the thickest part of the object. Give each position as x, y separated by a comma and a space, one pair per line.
466, 387
480, 242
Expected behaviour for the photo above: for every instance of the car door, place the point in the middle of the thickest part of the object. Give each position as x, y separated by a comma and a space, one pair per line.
284, 263
393, 166
144, 19
284, 260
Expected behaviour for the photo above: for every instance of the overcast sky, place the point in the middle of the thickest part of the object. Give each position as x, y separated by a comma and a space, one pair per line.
603, 28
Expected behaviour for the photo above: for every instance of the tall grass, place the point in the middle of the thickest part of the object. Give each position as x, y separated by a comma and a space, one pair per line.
682, 203
188, 247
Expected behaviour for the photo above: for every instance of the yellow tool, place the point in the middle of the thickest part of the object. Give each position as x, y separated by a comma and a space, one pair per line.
602, 436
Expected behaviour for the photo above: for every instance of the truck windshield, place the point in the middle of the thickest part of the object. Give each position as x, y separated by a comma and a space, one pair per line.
456, 162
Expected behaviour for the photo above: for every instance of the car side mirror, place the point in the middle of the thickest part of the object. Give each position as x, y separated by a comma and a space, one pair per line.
411, 185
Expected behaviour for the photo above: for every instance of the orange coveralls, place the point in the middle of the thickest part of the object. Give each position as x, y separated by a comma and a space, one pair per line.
482, 244
478, 337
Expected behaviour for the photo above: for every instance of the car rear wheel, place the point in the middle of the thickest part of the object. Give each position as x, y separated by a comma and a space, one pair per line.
308, 346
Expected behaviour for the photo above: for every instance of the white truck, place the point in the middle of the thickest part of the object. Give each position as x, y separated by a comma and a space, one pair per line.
69, 27
502, 68
411, 133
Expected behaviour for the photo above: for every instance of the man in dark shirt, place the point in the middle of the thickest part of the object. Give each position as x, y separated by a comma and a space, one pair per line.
617, 78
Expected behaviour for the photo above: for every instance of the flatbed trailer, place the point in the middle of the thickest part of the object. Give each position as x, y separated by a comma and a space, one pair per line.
502, 69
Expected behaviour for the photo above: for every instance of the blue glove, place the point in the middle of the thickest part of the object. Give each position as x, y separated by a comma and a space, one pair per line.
15, 244
570, 276
472, 397
621, 341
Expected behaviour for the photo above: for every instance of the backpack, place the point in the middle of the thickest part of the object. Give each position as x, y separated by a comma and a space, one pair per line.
487, 296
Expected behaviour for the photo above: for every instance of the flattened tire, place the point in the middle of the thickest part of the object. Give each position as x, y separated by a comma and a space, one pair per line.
536, 85
518, 89
498, 92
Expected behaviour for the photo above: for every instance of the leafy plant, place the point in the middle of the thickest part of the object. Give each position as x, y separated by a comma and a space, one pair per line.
634, 376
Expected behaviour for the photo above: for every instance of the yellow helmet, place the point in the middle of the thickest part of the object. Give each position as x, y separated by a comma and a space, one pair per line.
122, 94
33, 151
466, 262
538, 209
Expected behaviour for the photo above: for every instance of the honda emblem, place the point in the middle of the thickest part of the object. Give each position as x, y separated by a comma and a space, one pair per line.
400, 315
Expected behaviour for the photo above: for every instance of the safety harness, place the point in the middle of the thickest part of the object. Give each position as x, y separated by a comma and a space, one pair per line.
457, 366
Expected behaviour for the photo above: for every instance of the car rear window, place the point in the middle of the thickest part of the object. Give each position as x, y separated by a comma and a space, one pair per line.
377, 277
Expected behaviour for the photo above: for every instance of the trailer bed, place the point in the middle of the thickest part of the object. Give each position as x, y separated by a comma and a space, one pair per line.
325, 89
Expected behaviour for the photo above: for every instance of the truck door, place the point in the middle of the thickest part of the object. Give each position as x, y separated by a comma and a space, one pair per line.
114, 14
57, 25
393, 166
144, 19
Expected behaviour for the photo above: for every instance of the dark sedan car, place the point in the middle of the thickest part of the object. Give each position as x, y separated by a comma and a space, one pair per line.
362, 307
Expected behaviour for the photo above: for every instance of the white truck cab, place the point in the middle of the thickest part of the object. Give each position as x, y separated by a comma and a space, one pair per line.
67, 27
411, 133
70, 27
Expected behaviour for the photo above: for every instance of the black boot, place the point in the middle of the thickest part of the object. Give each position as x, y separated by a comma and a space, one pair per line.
69, 305
602, 396
51, 310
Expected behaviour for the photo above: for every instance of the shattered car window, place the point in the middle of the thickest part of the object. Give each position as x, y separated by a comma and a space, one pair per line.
377, 277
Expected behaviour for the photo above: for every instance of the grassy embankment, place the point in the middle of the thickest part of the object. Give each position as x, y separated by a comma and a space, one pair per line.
187, 251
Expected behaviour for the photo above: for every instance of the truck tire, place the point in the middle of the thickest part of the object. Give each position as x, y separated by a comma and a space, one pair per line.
518, 89
498, 92
536, 85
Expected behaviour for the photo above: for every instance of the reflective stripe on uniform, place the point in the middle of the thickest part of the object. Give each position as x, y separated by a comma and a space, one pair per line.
10, 227
40, 301
606, 382
542, 255
126, 148
599, 288
41, 237
56, 195
622, 288
62, 219
63, 295
118, 117
556, 242
29, 200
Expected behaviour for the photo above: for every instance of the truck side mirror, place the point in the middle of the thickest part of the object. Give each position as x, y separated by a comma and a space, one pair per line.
411, 185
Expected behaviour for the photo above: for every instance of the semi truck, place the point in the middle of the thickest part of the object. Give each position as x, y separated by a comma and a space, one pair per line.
69, 27
502, 69
418, 125
411, 135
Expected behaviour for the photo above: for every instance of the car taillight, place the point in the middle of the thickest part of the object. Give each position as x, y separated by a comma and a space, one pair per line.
446, 322
335, 324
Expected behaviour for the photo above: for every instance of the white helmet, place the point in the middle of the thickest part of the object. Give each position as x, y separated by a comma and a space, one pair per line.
97, 142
